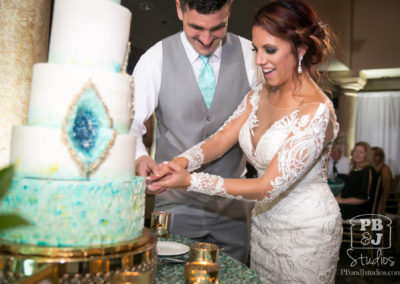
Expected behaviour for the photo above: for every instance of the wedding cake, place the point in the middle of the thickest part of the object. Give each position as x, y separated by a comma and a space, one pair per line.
74, 161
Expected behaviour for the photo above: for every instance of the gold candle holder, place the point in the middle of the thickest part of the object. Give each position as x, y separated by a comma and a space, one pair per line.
159, 223
203, 252
201, 273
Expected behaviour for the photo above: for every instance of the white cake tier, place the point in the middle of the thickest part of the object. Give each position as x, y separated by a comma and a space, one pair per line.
54, 88
89, 32
40, 152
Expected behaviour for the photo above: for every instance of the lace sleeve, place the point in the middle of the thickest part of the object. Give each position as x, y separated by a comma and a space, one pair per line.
211, 185
311, 133
301, 150
196, 156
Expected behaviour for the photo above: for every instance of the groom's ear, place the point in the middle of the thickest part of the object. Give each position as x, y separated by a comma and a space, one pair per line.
179, 10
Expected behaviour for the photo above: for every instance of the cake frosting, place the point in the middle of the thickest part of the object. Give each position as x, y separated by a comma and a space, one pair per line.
87, 33
52, 159
64, 82
70, 214
75, 159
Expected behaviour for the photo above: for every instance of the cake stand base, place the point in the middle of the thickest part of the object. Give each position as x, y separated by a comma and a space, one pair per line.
102, 264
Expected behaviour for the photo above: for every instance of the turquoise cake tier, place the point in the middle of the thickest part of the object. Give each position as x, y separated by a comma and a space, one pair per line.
75, 213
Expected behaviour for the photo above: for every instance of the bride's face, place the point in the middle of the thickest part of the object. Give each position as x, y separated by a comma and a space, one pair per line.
274, 56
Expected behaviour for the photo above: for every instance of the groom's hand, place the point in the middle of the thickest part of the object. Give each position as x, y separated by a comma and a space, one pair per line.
163, 172
146, 167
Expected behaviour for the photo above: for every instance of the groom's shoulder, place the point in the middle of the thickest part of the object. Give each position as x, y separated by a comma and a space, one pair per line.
244, 42
157, 47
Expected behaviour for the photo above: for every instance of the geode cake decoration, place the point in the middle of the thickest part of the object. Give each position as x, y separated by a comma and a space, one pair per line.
88, 129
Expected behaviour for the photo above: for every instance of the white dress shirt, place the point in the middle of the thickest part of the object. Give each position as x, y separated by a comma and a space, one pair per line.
342, 166
147, 80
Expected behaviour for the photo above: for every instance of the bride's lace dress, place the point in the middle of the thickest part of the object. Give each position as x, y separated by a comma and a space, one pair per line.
297, 228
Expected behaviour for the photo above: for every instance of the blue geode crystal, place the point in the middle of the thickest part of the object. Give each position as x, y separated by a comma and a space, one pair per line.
85, 130
88, 129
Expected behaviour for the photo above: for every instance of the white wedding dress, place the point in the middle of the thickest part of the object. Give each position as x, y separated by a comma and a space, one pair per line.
297, 229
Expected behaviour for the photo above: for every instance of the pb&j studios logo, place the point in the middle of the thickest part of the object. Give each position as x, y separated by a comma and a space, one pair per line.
370, 232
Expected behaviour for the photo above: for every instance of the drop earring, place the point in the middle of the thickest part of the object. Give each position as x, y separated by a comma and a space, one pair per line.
299, 69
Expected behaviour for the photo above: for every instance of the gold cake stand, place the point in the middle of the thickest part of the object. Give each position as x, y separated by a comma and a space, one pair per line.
135, 259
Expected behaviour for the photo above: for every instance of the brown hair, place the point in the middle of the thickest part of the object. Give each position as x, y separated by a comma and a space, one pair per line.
297, 22
204, 6
379, 151
368, 156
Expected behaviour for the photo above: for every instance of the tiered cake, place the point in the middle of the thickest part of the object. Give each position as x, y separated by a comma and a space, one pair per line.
74, 160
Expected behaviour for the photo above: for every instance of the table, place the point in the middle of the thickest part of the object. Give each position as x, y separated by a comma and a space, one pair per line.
231, 270
335, 186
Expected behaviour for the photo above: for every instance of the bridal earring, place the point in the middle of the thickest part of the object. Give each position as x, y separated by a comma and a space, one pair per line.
299, 69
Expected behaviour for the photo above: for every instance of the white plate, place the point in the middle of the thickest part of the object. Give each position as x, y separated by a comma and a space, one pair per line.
171, 248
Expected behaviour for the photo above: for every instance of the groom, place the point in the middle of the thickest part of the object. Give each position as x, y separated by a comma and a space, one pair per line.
194, 80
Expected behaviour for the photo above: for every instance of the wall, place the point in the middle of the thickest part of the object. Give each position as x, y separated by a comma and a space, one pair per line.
376, 26
338, 15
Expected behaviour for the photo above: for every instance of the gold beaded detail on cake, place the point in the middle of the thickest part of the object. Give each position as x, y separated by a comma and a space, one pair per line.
124, 65
132, 106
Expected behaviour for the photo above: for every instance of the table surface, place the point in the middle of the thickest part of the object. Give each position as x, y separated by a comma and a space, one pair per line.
231, 270
336, 186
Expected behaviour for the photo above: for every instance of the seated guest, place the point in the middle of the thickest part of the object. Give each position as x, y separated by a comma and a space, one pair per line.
338, 165
378, 163
358, 193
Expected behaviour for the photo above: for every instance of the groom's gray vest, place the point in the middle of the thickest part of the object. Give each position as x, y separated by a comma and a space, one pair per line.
183, 119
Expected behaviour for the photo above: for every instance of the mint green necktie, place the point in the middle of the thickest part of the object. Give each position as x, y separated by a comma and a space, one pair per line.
206, 81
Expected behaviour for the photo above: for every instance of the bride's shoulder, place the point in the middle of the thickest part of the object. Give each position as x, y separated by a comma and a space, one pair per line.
254, 93
315, 99
318, 102
257, 89
315, 96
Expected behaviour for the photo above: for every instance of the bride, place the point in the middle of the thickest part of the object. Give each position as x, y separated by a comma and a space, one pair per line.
286, 128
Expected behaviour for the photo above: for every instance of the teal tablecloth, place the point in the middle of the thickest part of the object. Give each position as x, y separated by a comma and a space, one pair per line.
230, 270
336, 186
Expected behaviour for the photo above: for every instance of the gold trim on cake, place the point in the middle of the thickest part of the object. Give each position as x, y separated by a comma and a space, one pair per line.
132, 106
124, 65
10, 247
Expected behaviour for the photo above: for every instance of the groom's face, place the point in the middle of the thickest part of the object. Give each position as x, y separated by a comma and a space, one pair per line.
204, 31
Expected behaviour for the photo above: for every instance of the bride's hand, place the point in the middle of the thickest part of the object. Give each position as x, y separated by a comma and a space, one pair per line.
178, 177
163, 170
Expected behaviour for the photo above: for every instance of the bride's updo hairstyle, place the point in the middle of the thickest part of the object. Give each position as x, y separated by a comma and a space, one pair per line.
297, 22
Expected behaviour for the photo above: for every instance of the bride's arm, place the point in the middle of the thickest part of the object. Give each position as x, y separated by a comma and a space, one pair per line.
302, 149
